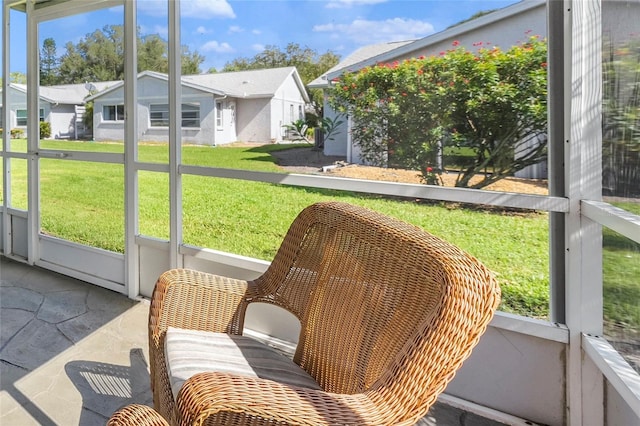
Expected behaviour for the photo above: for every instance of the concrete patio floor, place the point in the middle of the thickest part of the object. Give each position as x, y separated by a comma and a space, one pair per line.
72, 353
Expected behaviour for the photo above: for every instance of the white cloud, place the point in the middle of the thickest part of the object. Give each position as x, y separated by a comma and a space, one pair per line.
235, 29
201, 9
363, 31
205, 9
203, 30
256, 32
214, 46
161, 31
257, 47
342, 4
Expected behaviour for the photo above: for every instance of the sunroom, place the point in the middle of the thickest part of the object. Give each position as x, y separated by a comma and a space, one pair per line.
574, 361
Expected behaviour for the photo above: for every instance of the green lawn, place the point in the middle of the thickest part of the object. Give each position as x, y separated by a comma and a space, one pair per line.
83, 202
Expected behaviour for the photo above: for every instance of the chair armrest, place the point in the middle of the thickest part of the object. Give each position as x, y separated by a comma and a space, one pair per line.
136, 415
206, 394
195, 300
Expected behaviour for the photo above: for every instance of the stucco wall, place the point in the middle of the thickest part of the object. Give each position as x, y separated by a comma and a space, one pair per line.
285, 108
17, 100
340, 142
62, 119
60, 116
155, 91
253, 120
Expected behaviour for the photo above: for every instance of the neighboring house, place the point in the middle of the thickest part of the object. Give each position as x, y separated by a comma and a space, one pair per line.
504, 28
219, 108
62, 106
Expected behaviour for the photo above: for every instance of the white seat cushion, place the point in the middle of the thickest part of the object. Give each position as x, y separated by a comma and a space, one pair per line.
189, 352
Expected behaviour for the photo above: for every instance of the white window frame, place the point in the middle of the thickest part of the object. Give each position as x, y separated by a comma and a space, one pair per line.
118, 112
164, 119
187, 110
219, 115
41, 117
190, 112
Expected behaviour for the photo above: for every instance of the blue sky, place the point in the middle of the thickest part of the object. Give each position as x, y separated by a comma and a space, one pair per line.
222, 30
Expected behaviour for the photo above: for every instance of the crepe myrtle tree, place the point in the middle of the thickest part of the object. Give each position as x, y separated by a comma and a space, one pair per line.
491, 102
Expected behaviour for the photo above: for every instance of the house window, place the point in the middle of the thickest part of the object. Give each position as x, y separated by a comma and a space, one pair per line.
291, 113
300, 112
159, 115
191, 115
113, 113
219, 115
21, 117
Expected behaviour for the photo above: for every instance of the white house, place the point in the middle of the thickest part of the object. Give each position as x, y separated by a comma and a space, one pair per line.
61, 105
220, 108
504, 28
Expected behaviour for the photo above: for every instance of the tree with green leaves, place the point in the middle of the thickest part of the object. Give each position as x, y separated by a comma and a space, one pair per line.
152, 53
490, 102
99, 56
48, 63
17, 77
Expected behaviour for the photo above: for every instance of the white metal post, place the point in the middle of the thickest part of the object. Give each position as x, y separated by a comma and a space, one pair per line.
132, 275
556, 157
33, 135
585, 398
6, 117
175, 133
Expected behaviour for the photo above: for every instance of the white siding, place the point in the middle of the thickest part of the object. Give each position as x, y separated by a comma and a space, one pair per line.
504, 33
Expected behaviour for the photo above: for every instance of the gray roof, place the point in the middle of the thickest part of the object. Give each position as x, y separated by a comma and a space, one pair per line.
248, 84
74, 93
362, 54
157, 75
241, 84
67, 94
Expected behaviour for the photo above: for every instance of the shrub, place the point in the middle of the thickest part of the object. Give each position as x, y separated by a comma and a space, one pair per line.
489, 101
45, 129
17, 134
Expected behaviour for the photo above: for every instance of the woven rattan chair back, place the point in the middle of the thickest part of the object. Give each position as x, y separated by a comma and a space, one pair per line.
384, 306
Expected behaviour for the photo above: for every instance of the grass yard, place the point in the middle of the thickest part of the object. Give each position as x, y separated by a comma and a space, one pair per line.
83, 202
621, 277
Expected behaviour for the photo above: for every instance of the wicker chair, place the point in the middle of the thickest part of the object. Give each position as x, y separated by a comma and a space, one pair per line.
136, 415
388, 314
